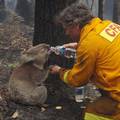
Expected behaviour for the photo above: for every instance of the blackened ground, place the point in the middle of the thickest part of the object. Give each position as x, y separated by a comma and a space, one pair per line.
16, 37
9, 110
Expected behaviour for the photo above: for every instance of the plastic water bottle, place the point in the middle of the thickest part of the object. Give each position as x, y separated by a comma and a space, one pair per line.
66, 52
79, 94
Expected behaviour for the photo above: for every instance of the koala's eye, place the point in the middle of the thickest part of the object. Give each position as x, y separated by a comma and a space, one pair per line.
42, 50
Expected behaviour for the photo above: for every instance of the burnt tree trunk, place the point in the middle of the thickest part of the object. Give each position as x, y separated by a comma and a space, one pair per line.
47, 32
2, 11
45, 29
116, 13
100, 13
2, 3
25, 9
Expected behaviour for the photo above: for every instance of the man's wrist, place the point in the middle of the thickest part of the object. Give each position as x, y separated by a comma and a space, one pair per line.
61, 72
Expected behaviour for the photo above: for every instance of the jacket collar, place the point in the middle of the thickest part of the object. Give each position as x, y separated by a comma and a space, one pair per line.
89, 27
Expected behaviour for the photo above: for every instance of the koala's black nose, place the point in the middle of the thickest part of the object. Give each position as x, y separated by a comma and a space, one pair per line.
47, 47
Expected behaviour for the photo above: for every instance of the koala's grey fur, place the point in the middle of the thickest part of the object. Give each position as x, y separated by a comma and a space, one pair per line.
26, 84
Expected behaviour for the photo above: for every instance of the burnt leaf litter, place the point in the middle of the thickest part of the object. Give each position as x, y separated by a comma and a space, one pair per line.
15, 37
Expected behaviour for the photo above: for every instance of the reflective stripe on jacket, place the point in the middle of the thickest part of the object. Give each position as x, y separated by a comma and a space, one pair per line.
98, 57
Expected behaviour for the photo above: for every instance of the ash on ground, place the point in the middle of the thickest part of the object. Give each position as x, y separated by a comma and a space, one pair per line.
15, 37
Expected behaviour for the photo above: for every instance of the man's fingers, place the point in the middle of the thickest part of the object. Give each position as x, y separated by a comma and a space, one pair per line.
51, 66
54, 69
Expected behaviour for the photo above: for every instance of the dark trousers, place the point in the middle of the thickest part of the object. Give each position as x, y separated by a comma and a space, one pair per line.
106, 107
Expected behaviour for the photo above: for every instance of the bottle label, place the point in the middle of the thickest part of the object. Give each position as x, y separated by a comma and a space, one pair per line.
66, 52
79, 94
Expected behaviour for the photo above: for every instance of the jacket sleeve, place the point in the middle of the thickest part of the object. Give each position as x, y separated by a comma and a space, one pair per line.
83, 68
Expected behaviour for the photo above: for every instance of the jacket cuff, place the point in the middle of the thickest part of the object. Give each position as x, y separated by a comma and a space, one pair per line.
61, 73
64, 74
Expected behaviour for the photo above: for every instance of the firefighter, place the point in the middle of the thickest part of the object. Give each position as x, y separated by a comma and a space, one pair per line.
97, 44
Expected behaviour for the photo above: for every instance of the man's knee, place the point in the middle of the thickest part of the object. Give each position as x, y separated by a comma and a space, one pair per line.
103, 108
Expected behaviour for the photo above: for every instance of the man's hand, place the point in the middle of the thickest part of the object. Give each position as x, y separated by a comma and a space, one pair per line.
71, 45
54, 69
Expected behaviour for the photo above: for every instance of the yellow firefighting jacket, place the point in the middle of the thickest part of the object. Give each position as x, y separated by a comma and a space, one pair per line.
98, 58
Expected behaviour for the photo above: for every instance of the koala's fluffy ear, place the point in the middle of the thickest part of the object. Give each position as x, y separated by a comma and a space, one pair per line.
31, 54
27, 57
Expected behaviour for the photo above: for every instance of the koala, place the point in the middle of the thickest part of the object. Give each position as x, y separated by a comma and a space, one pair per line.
26, 84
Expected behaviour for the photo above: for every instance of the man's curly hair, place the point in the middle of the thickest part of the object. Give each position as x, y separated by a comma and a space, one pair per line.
76, 13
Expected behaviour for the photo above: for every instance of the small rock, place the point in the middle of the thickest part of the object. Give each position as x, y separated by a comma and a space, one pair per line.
58, 107
42, 109
1, 98
15, 115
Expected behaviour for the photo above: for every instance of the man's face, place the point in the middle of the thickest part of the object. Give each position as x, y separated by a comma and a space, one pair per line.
73, 32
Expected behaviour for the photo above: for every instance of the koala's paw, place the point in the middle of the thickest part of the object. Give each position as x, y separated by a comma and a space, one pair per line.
39, 95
